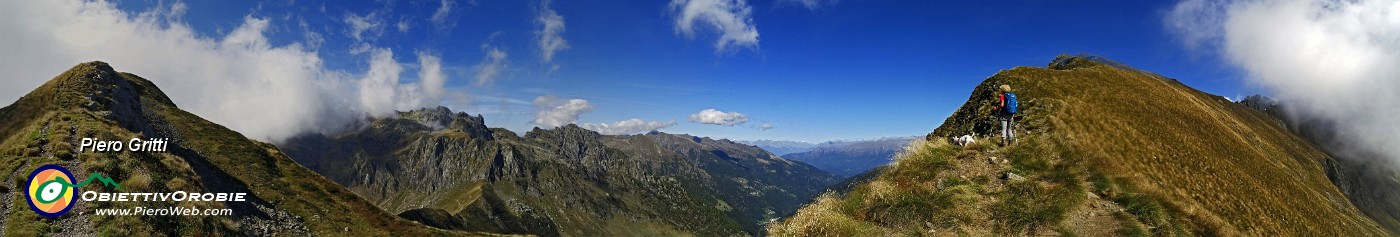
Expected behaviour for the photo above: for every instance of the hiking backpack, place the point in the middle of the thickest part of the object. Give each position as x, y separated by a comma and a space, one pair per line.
1010, 102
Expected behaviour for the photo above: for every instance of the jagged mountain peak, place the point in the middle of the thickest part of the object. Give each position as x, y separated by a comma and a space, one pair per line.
569, 132
441, 117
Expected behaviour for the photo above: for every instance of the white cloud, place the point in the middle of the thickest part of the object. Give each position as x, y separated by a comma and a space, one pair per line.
811, 4
630, 126
431, 77
765, 126
492, 65
442, 17
551, 25
312, 39
1196, 22
240, 80
716, 117
1327, 59
364, 28
403, 26
379, 88
553, 113
731, 19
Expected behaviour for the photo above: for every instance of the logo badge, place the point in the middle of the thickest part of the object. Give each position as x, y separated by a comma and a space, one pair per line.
51, 191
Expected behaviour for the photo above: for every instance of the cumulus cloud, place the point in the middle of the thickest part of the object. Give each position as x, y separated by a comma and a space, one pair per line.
731, 19
492, 65
239, 80
551, 26
630, 126
431, 77
379, 88
1327, 59
553, 113
442, 17
716, 117
765, 126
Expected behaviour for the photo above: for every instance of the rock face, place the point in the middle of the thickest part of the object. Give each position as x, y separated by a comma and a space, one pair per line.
92, 100
563, 181
1373, 187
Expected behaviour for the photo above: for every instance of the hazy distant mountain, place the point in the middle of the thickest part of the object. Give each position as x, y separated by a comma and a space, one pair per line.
449, 170
850, 158
781, 147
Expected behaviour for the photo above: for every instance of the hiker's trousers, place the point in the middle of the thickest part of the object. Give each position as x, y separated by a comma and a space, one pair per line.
1007, 133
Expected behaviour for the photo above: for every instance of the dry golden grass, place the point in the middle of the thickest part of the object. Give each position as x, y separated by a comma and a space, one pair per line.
823, 217
1216, 167
937, 187
1175, 160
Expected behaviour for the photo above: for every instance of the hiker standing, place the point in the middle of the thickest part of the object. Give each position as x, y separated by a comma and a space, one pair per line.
1006, 112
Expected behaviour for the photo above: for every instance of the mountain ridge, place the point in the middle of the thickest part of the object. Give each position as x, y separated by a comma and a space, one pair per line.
1374, 188
1102, 151
93, 100
562, 181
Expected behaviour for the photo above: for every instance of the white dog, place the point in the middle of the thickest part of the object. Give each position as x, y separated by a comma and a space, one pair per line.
963, 140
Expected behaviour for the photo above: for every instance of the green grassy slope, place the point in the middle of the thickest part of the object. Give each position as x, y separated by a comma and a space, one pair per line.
1099, 140
92, 100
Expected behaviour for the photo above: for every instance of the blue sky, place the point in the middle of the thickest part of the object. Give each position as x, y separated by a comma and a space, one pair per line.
835, 70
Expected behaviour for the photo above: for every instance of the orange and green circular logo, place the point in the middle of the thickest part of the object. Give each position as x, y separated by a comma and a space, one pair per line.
51, 192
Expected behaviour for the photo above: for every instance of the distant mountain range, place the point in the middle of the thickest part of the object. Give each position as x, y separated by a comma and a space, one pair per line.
850, 158
450, 171
781, 147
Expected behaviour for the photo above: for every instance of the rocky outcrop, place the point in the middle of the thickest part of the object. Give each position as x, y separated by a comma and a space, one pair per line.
562, 181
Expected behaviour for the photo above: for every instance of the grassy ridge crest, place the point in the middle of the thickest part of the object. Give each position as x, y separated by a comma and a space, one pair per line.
1105, 149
